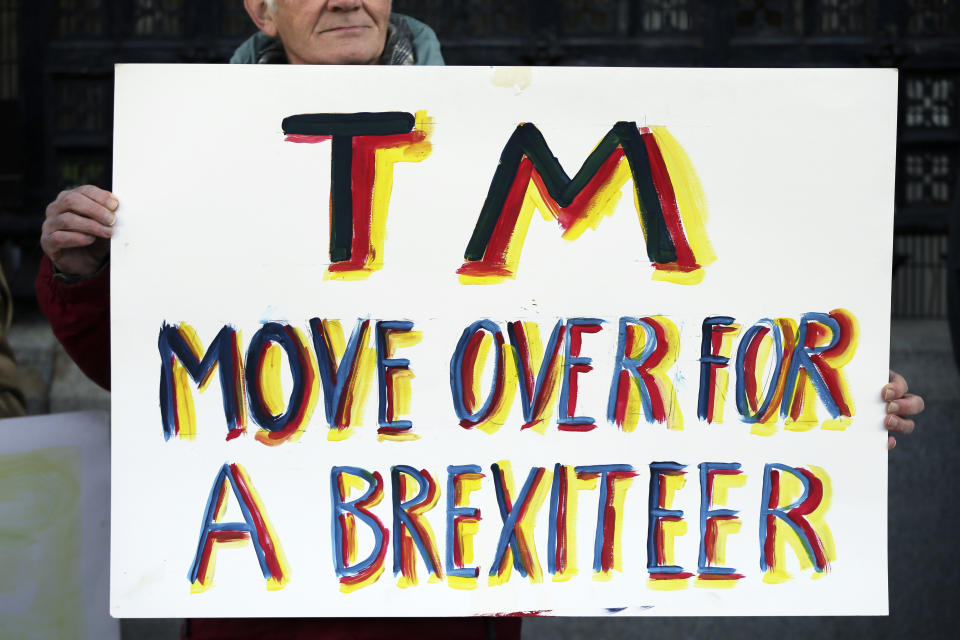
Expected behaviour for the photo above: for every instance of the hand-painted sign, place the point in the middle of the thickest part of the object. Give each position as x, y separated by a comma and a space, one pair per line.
366, 382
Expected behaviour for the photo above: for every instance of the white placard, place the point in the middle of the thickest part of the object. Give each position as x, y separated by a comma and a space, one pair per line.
430, 212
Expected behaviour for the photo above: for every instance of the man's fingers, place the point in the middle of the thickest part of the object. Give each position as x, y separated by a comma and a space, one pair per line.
81, 204
98, 195
908, 405
60, 240
899, 425
70, 231
70, 221
899, 404
77, 202
896, 388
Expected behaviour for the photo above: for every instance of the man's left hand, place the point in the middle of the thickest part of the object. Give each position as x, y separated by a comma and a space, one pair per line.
900, 404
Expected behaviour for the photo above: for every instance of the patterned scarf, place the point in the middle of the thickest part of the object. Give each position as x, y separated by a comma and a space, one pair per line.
398, 49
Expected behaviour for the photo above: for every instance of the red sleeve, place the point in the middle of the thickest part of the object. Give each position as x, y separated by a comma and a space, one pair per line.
80, 317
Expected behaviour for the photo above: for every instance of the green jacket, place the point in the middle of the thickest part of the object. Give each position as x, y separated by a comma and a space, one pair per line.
426, 47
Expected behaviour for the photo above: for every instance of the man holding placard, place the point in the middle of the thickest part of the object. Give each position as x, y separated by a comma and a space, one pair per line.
80, 221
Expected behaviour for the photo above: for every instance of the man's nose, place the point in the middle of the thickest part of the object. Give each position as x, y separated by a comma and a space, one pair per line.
344, 5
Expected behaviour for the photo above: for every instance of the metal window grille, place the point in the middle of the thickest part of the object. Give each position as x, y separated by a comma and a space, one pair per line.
493, 19
81, 105
664, 17
928, 178
932, 17
82, 167
919, 281
843, 17
769, 17
158, 17
930, 102
593, 17
80, 18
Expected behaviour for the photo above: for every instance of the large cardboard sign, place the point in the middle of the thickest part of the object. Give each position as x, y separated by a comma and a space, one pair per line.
464, 341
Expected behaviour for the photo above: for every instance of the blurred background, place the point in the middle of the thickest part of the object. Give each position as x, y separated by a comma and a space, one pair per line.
56, 94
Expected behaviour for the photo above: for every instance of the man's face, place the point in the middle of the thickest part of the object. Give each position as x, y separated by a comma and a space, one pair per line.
331, 31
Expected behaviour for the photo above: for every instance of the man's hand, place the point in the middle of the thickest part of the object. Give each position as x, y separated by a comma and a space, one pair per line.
77, 230
899, 405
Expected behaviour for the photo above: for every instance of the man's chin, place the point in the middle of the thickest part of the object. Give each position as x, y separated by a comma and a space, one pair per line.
353, 58
348, 50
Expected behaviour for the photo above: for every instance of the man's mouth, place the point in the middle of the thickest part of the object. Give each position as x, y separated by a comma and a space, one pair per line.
346, 29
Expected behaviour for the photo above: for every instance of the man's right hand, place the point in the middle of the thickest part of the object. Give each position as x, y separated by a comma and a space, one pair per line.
76, 234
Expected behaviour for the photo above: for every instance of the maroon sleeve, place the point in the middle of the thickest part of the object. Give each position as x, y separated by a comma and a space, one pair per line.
80, 316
